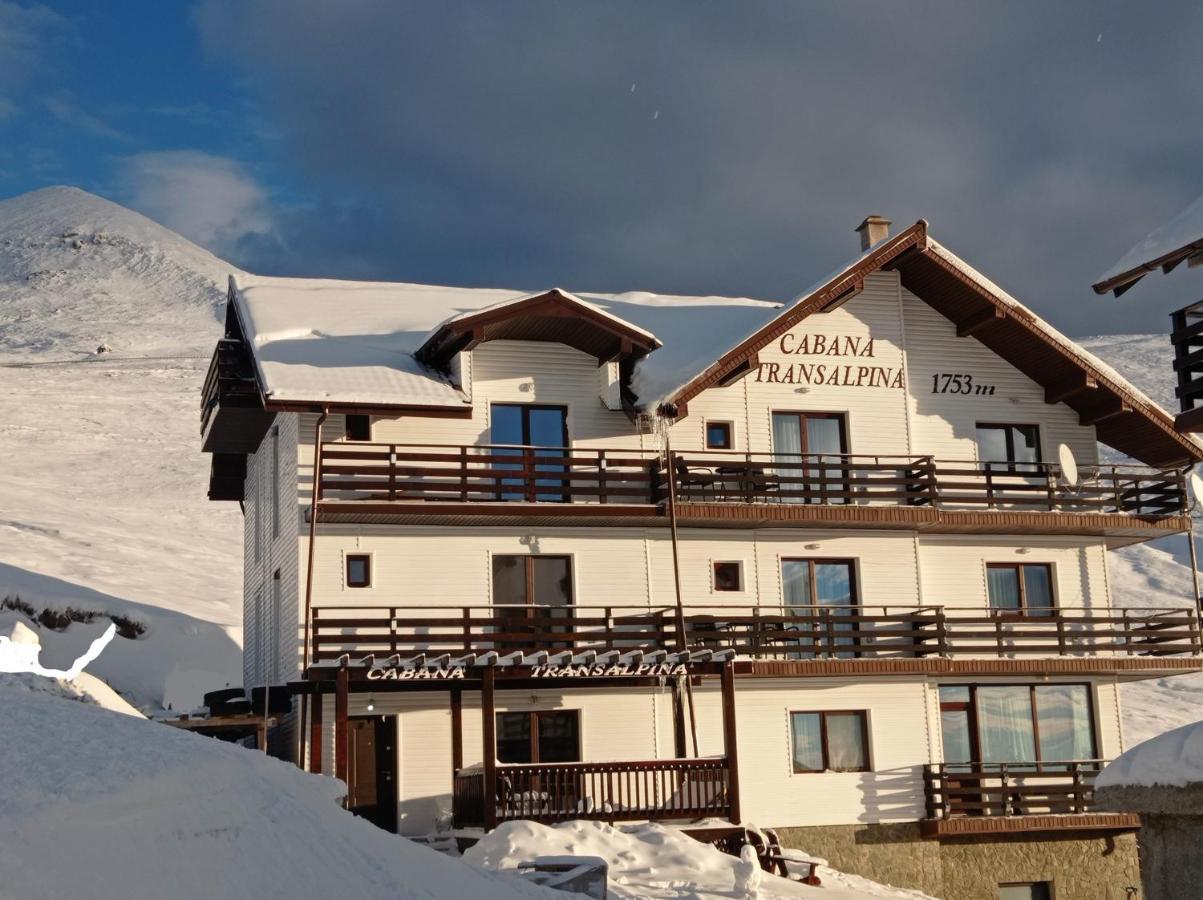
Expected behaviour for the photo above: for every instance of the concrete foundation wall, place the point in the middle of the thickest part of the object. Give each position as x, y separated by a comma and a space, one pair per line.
1079, 866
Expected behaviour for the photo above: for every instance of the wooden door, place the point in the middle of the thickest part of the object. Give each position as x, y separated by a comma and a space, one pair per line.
371, 769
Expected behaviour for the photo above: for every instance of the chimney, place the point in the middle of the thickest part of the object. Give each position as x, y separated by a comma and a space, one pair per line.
873, 230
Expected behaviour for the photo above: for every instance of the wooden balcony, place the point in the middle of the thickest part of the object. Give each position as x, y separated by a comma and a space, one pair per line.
982, 798
233, 420
870, 638
513, 484
653, 790
1187, 338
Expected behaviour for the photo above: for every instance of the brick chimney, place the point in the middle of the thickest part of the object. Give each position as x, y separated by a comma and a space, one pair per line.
873, 230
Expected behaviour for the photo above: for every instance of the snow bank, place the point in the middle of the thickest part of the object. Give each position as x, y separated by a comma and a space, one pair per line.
1173, 759
654, 861
101, 806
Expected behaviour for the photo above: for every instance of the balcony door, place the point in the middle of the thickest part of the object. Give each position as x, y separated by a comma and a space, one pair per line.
816, 589
811, 445
530, 425
530, 592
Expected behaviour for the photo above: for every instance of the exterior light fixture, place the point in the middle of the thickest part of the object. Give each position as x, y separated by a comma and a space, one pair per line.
371, 704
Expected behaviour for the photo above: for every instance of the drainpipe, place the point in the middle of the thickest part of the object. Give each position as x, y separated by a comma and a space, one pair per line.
672, 523
314, 490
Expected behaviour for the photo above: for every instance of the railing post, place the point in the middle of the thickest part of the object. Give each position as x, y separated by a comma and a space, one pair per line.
488, 715
392, 471
528, 473
1050, 481
601, 476
392, 630
340, 724
730, 741
1004, 784
466, 625
463, 473
933, 485
989, 486
1128, 632
942, 624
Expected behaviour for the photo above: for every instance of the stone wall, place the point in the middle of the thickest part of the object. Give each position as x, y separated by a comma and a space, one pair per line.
1171, 836
1080, 866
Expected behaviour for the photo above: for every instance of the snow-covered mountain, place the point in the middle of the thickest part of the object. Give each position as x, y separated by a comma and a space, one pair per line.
103, 485
102, 490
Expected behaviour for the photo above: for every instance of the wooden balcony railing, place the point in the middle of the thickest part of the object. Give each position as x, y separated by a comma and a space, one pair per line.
230, 380
1010, 789
755, 632
1187, 338
499, 473
610, 791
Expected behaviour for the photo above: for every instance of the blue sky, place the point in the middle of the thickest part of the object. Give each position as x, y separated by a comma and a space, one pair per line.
685, 146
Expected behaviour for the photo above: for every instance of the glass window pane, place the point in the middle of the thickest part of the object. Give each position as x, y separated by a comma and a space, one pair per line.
795, 582
833, 582
1066, 730
824, 436
954, 693
1037, 891
1026, 440
1002, 585
991, 444
558, 738
845, 742
1004, 717
808, 742
505, 426
787, 433
718, 435
728, 576
509, 580
553, 581
954, 724
513, 737
546, 427
1038, 589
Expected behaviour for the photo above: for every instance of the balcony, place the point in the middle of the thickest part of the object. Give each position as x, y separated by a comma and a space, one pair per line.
512, 484
1187, 338
797, 640
233, 420
653, 790
981, 798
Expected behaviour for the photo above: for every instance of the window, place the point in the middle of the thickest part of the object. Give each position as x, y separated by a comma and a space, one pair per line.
719, 436
728, 576
1024, 589
533, 737
1032, 890
807, 448
811, 587
275, 481
1009, 448
830, 741
359, 570
531, 589
531, 425
358, 428
1016, 723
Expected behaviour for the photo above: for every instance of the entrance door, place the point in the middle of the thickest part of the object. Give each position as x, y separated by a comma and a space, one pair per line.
529, 593
371, 770
812, 445
531, 425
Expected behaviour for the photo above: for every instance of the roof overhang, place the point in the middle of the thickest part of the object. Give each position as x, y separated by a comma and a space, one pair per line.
553, 316
1191, 254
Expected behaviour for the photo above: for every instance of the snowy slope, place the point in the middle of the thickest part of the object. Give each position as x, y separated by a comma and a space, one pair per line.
103, 485
1157, 573
99, 805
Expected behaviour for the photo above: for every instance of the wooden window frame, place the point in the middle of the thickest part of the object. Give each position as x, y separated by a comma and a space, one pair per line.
1011, 464
559, 407
727, 425
534, 715
739, 566
1024, 609
358, 417
971, 706
853, 577
803, 415
529, 573
367, 558
823, 741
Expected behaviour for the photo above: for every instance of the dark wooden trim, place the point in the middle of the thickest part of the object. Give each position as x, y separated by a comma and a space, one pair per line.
1109, 411
457, 729
316, 738
1063, 390
1190, 421
392, 411
730, 740
488, 731
820, 668
341, 736
992, 315
679, 746
1072, 822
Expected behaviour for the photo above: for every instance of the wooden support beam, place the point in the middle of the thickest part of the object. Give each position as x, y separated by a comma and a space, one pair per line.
457, 729
1110, 411
679, 749
315, 732
730, 740
978, 321
488, 723
341, 731
836, 302
1060, 391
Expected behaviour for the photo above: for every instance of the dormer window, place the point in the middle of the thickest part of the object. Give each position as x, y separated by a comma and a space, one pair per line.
359, 428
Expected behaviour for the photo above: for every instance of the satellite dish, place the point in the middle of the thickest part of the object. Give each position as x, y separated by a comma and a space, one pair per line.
1069, 465
1196, 487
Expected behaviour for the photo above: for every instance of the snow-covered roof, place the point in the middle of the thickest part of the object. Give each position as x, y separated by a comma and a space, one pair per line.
1167, 245
353, 342
1172, 759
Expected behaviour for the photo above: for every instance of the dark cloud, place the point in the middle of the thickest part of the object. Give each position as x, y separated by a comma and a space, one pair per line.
503, 143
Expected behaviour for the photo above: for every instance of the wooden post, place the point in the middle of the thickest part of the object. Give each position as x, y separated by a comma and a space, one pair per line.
315, 733
457, 729
340, 725
679, 748
730, 740
488, 723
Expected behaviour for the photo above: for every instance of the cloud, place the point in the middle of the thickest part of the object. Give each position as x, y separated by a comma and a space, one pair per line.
24, 32
63, 108
211, 200
501, 143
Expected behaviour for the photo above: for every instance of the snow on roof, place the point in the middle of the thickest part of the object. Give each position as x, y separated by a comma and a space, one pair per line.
1185, 228
320, 340
1172, 759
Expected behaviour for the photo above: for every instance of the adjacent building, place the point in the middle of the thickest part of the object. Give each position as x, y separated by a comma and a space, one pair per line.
836, 566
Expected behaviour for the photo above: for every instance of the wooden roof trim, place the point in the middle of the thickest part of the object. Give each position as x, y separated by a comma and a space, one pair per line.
232, 304
1128, 402
1166, 262
376, 409
839, 290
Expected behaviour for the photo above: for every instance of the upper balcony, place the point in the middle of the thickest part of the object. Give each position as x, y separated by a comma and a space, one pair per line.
510, 484
233, 420
1187, 338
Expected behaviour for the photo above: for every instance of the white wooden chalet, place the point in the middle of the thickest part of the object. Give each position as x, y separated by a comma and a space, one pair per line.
815, 565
